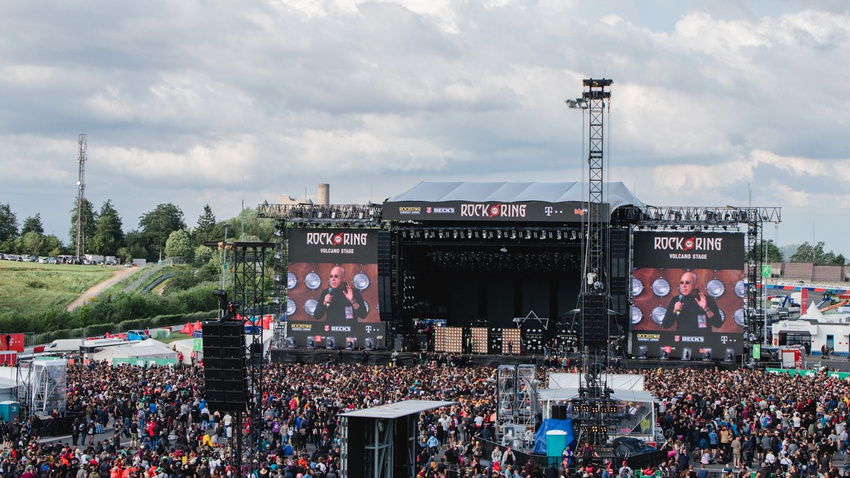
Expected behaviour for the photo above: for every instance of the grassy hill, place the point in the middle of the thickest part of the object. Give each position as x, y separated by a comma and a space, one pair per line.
28, 287
34, 298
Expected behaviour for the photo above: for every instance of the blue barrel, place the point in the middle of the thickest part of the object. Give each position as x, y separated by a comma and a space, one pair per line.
556, 441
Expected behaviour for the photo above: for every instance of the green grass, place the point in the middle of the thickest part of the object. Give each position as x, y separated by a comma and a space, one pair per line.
27, 287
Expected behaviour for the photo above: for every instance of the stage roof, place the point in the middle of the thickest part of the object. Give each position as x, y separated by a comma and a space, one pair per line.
398, 409
535, 201
616, 194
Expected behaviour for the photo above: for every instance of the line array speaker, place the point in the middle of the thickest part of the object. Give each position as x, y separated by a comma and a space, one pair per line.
225, 378
594, 316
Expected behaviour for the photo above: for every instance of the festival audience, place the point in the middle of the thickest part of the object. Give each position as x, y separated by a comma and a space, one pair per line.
159, 425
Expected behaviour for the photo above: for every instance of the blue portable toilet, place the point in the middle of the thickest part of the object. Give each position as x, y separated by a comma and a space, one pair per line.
9, 410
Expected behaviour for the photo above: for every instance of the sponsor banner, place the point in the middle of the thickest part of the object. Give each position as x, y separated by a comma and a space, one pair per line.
12, 342
688, 293
530, 211
321, 334
332, 286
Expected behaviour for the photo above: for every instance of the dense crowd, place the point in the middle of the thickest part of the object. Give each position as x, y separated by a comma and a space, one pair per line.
159, 426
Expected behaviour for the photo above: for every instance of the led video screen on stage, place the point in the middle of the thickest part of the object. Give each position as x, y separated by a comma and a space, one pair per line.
688, 294
332, 289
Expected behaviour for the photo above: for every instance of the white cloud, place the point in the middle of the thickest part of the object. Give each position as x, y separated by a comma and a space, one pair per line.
201, 101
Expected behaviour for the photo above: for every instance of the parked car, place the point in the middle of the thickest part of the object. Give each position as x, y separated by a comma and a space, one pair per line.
136, 335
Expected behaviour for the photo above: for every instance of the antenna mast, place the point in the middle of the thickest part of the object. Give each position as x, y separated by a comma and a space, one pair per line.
81, 197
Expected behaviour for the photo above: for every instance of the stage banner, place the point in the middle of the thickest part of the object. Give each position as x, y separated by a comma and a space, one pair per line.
513, 212
688, 294
332, 288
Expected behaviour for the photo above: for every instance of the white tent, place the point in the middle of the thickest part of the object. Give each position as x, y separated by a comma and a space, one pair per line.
145, 349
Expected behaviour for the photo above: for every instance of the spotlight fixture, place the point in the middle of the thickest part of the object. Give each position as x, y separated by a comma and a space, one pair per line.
291, 307
661, 287
637, 287
291, 280
658, 314
360, 281
740, 288
637, 315
312, 281
715, 288
310, 306
739, 317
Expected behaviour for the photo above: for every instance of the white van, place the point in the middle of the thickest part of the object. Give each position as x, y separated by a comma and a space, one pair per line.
64, 346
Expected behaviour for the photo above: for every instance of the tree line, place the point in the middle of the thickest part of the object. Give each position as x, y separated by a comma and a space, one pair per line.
161, 233
805, 253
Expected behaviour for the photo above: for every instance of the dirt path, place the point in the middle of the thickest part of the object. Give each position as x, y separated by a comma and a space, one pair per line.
96, 289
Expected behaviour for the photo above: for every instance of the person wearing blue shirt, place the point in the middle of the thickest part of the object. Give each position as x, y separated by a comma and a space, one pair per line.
433, 444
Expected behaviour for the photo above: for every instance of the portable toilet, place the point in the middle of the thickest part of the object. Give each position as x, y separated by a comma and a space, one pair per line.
556, 441
9, 410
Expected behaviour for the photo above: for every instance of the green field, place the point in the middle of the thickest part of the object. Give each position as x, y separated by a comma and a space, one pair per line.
28, 287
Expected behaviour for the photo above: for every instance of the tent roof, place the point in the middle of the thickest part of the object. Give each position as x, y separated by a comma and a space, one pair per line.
616, 194
398, 409
143, 348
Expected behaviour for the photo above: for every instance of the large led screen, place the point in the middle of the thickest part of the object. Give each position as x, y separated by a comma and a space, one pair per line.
688, 295
332, 289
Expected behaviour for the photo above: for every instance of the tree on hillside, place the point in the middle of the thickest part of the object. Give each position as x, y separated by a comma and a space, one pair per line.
134, 246
89, 219
773, 254
8, 224
203, 253
108, 236
206, 226
158, 224
806, 253
178, 245
33, 224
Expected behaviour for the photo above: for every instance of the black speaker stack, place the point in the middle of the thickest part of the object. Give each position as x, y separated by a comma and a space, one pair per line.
594, 316
225, 374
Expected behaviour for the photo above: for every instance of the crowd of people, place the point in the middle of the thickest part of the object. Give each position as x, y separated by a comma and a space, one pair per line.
158, 424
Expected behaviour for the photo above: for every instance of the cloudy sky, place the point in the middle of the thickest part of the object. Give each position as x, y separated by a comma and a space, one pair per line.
219, 102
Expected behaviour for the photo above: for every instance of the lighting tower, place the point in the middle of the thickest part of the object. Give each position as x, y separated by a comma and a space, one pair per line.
594, 405
81, 197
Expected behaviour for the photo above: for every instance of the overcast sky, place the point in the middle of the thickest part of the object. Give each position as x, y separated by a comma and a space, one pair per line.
216, 102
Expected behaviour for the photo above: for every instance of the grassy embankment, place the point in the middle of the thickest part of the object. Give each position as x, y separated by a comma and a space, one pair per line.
28, 289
